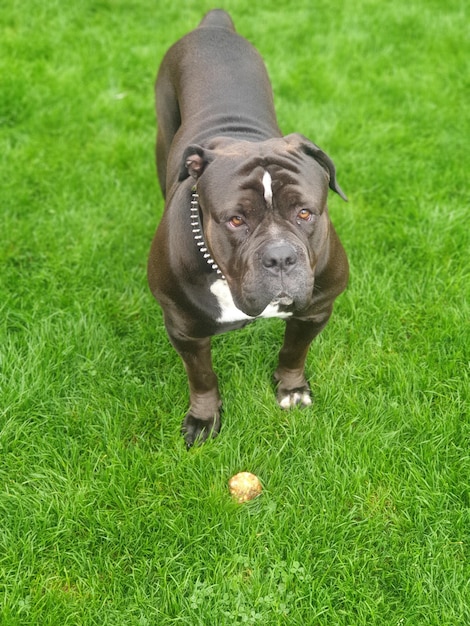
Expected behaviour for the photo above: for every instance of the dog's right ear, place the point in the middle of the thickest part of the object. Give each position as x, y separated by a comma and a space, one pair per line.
194, 162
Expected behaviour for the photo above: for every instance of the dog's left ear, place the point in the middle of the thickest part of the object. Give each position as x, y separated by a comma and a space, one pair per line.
195, 160
307, 146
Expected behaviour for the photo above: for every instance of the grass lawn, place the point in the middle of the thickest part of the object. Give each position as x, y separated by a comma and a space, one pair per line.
105, 519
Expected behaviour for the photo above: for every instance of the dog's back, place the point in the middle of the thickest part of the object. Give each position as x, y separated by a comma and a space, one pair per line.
217, 18
205, 87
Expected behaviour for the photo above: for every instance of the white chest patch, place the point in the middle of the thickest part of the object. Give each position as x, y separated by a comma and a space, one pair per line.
229, 313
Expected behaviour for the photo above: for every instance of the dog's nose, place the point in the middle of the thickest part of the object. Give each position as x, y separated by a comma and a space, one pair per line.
279, 257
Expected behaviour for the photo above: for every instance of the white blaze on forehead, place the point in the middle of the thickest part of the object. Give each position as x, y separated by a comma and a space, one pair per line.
268, 189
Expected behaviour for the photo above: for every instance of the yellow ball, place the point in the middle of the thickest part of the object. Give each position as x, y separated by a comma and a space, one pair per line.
244, 486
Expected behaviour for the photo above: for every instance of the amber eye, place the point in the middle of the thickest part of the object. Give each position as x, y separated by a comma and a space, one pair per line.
236, 221
304, 214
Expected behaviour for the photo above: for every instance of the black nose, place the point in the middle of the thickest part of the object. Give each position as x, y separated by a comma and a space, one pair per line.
279, 257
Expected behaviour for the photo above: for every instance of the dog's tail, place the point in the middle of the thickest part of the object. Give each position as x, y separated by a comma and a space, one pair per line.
218, 18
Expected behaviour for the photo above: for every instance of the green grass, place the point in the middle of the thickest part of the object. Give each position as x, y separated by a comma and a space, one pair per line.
105, 519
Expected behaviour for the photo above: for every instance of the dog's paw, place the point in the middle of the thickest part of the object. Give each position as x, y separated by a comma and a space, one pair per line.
196, 430
289, 398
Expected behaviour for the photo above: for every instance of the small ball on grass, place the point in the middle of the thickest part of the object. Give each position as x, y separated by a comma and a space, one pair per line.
244, 486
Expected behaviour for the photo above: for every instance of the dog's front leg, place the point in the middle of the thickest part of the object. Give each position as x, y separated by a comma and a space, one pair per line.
292, 386
203, 417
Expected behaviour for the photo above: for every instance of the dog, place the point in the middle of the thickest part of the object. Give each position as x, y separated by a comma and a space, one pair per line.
245, 232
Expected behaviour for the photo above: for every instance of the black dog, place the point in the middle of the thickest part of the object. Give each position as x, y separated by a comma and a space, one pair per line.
246, 232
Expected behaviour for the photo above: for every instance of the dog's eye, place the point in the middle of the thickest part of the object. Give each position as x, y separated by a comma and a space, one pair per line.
304, 214
236, 221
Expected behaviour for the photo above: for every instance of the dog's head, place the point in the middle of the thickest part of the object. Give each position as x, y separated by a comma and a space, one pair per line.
265, 217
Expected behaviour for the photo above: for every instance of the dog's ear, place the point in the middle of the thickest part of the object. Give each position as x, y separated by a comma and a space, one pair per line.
194, 162
307, 146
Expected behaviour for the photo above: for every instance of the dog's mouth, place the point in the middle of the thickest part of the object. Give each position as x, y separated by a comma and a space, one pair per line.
281, 305
283, 300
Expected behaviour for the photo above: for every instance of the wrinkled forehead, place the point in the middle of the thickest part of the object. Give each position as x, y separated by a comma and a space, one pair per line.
265, 168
